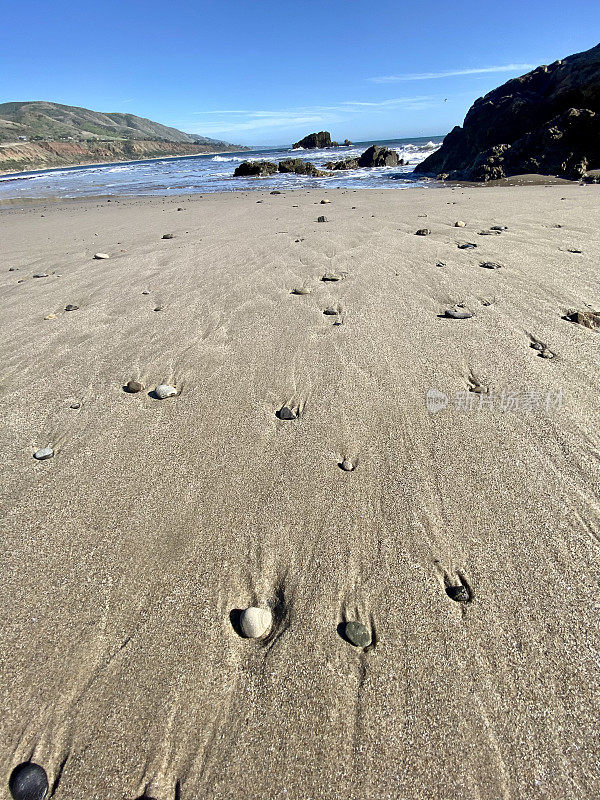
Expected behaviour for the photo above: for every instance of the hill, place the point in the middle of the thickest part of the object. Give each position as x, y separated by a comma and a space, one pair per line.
44, 121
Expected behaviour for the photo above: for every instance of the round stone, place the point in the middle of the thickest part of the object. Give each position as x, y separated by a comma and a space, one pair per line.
71, 307
460, 224
460, 594
301, 290
145, 291
133, 387
330, 312
44, 453
347, 465
101, 255
331, 276
28, 781
168, 236
163, 390
358, 634
287, 413
322, 219
75, 406
256, 622
423, 232
466, 246
323, 202
459, 313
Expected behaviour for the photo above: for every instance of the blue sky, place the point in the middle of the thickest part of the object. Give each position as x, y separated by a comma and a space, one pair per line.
269, 72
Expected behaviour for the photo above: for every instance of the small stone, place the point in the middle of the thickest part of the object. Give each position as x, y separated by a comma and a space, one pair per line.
256, 622
101, 255
589, 319
134, 386
330, 312
570, 250
546, 353
323, 202
331, 276
75, 406
441, 264
499, 228
347, 465
41, 275
145, 291
460, 224
275, 192
466, 246
322, 219
159, 308
71, 307
459, 313
12, 269
180, 209
538, 346
301, 290
423, 232
50, 316
358, 634
44, 453
489, 233
28, 781
478, 389
287, 413
460, 593
168, 236
491, 265
163, 390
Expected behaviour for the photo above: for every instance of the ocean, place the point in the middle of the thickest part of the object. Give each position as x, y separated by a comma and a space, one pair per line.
214, 173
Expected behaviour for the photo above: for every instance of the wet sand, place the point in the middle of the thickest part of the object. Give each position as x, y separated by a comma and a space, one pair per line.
465, 536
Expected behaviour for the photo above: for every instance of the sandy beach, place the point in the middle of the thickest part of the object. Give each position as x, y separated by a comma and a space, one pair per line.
465, 534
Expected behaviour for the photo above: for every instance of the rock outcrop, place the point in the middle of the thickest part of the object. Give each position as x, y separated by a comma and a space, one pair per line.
315, 141
374, 156
255, 169
546, 122
344, 163
300, 167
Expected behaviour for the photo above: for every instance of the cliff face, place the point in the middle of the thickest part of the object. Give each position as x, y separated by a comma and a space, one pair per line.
547, 121
26, 156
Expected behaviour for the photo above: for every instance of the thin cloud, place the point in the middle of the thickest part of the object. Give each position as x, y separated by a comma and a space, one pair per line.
425, 76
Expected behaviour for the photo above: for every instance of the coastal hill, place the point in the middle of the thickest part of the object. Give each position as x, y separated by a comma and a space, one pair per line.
546, 122
39, 135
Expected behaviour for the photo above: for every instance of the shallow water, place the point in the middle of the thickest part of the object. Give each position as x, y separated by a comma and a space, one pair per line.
214, 173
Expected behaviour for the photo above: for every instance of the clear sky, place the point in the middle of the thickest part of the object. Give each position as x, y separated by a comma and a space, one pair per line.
265, 72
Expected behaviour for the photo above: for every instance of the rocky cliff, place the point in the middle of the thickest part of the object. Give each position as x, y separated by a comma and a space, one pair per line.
25, 156
547, 122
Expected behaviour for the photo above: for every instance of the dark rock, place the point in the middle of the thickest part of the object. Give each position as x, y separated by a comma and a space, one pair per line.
422, 232
287, 413
466, 246
28, 781
546, 122
460, 593
345, 163
133, 387
589, 319
377, 156
458, 312
315, 141
254, 169
358, 634
275, 192
491, 265
168, 236
321, 219
71, 307
347, 143
300, 167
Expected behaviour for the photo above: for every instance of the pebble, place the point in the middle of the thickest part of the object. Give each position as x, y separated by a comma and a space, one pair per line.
301, 290
423, 232
498, 228
441, 264
145, 291
331, 276
538, 346
478, 389
134, 386
275, 192
28, 781
168, 236
347, 465
460, 594
589, 319
467, 246
322, 219
358, 634
287, 413
256, 622
44, 453
489, 233
491, 265
323, 202
75, 406
546, 353
50, 316
101, 255
459, 313
330, 312
163, 390
41, 275
71, 307
460, 224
